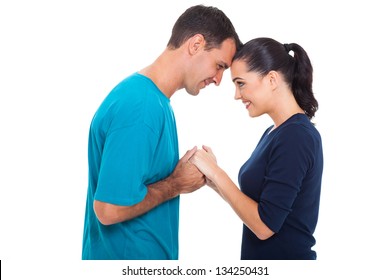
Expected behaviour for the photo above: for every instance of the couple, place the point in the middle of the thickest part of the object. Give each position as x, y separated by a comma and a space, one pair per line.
136, 176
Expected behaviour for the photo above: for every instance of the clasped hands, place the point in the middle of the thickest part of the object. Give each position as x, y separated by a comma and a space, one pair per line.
195, 169
205, 160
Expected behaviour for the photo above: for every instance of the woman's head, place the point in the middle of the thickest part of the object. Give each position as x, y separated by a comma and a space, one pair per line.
262, 56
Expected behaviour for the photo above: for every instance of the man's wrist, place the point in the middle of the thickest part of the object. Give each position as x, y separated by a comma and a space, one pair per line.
171, 185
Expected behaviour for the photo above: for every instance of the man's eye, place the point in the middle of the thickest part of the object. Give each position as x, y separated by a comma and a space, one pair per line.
219, 67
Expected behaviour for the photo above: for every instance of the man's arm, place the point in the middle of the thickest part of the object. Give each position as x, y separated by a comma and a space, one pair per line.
186, 178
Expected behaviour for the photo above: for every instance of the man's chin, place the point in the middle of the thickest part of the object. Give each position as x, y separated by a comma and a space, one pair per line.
193, 92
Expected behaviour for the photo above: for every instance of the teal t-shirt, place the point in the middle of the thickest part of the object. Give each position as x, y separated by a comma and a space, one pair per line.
132, 143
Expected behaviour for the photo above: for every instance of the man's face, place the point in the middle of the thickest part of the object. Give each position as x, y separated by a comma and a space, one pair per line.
208, 67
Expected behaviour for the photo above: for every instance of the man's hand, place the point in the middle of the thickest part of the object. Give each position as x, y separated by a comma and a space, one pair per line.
186, 177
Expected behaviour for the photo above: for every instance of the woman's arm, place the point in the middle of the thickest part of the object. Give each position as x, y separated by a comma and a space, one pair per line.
245, 207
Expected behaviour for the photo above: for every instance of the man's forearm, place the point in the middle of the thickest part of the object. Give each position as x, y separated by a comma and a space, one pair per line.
186, 178
157, 194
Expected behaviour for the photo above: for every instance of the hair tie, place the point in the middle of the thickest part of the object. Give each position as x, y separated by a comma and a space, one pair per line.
287, 47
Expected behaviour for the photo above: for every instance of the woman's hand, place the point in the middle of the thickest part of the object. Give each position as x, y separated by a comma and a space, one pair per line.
205, 160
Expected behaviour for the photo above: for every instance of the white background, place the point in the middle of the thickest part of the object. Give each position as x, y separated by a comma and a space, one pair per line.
59, 59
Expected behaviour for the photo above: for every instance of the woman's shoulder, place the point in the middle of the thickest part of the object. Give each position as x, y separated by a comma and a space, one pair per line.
298, 130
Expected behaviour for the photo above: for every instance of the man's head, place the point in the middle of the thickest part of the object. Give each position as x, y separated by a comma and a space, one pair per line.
211, 22
211, 41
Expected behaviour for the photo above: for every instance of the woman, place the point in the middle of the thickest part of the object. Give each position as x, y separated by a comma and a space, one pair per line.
281, 181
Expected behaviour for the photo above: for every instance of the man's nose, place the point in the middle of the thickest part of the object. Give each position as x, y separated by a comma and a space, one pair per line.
218, 78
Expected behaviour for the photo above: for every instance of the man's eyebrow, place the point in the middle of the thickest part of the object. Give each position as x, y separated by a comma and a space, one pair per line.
224, 64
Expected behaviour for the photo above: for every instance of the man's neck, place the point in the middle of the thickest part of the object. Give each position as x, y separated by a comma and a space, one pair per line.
165, 72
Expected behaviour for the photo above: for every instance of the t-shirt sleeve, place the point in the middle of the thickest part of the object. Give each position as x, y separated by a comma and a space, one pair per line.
289, 161
126, 158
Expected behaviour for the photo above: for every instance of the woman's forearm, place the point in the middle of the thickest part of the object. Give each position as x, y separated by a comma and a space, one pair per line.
245, 207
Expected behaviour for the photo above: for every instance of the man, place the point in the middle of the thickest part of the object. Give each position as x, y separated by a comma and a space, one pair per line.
135, 175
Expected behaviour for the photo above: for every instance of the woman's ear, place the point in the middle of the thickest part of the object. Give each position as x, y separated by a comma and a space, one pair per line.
196, 43
273, 78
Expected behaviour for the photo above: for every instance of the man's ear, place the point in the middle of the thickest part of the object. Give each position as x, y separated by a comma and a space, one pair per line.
196, 43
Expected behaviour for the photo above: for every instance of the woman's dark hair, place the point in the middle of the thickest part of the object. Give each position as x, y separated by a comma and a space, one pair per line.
211, 22
263, 55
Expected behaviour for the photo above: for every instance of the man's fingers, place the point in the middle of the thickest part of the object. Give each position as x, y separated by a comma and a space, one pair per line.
189, 154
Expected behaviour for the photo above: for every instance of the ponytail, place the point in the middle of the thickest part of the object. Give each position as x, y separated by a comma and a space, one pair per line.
302, 81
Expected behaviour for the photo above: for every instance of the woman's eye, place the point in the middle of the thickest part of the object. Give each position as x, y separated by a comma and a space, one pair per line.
240, 84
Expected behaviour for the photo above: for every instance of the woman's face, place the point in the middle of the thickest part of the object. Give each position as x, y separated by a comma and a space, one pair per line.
252, 89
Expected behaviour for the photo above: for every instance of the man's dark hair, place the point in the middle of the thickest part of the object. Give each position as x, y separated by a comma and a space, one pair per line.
210, 22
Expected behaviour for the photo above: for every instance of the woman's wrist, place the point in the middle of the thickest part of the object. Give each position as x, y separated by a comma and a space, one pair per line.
218, 176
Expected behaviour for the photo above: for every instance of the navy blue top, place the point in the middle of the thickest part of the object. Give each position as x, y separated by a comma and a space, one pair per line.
284, 175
